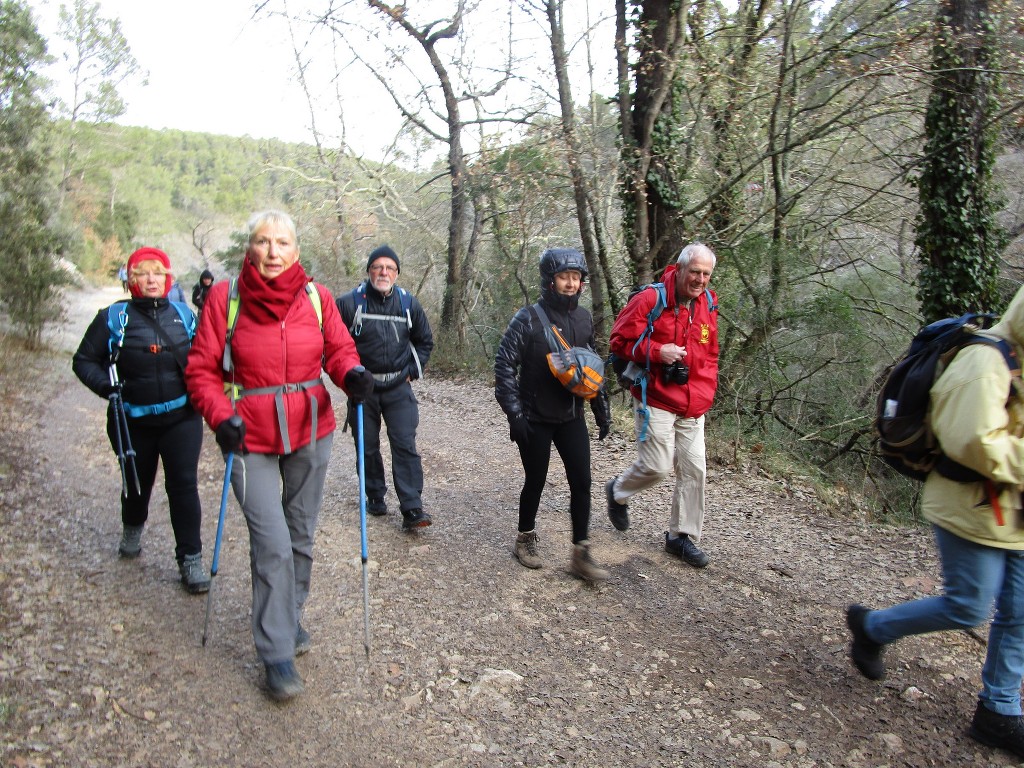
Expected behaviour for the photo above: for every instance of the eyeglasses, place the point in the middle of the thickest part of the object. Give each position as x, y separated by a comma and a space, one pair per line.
383, 268
145, 275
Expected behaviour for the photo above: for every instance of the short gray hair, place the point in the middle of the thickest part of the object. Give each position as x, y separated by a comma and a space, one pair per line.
696, 249
258, 220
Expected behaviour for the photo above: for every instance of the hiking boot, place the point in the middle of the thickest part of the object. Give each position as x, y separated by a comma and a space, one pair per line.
283, 681
617, 513
415, 518
302, 641
193, 575
131, 541
682, 546
526, 550
583, 566
377, 507
865, 653
995, 730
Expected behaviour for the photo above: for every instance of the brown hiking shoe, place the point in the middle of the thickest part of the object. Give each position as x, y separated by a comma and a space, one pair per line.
583, 566
526, 550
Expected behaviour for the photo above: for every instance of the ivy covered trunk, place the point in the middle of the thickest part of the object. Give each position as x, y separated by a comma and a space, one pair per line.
958, 236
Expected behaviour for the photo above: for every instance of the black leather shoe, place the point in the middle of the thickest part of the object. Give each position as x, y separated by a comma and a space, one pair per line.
995, 730
682, 546
377, 507
865, 653
617, 513
415, 518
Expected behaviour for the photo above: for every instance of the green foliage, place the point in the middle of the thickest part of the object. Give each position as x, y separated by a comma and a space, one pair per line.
30, 275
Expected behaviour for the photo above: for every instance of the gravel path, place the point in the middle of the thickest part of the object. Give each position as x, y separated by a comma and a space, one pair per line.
474, 660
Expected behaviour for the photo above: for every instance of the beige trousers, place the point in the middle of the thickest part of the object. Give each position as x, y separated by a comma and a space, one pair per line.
673, 444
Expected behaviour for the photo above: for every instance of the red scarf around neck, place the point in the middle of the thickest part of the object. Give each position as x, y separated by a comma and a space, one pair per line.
268, 301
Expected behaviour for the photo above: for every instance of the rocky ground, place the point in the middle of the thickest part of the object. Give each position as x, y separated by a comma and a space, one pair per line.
473, 660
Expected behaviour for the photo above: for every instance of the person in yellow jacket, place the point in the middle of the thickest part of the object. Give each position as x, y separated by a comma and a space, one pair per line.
977, 414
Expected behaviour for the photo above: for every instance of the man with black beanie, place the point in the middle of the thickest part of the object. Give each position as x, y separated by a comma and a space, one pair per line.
394, 342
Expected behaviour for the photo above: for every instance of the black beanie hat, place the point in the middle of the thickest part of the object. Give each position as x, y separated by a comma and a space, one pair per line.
383, 251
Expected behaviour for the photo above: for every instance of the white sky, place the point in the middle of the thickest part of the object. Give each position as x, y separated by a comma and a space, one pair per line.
213, 69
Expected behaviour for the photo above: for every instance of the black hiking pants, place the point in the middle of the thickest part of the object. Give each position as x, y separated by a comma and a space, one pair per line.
177, 447
572, 442
398, 410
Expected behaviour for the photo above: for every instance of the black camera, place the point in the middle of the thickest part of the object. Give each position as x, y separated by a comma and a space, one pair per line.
676, 373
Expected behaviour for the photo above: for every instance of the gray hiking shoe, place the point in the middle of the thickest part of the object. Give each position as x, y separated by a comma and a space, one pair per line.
526, 550
302, 641
283, 681
131, 541
193, 575
583, 566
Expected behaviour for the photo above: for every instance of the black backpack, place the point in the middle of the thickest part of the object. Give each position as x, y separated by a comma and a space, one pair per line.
905, 438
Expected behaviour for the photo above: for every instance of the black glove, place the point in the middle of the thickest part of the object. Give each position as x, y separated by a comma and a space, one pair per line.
519, 430
359, 383
231, 435
603, 430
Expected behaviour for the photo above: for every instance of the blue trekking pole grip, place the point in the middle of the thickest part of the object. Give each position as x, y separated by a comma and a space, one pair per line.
364, 551
228, 463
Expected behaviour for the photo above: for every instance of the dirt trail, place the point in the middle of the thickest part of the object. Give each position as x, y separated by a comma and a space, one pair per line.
474, 660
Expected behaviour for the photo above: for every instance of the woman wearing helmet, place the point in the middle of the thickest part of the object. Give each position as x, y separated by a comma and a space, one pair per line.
541, 412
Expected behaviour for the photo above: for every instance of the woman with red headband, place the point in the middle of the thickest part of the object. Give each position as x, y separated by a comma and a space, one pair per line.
134, 355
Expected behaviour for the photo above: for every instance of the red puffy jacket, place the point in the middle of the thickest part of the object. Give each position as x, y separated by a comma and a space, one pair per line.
699, 334
269, 355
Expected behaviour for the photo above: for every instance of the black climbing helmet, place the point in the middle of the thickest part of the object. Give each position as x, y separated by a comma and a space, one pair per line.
555, 260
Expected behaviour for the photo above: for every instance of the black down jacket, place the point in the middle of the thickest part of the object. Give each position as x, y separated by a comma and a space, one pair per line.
150, 371
523, 383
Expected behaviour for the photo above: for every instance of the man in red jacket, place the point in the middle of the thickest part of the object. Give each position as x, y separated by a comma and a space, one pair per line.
683, 354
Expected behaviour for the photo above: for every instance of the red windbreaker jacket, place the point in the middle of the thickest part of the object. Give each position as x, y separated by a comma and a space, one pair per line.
698, 333
270, 355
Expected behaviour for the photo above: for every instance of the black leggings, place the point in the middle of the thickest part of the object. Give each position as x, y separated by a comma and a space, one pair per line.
177, 446
572, 442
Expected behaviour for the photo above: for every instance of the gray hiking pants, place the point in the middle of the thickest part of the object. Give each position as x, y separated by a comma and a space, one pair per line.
280, 497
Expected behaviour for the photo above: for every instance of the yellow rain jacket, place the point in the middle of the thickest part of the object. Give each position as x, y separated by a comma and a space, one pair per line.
980, 424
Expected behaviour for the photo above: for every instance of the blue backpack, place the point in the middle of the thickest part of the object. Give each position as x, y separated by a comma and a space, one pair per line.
117, 321
632, 374
404, 299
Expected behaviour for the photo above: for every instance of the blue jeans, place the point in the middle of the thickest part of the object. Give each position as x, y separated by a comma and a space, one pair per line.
974, 576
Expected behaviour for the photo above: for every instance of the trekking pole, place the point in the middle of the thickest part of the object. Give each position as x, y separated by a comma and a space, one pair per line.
229, 461
364, 553
129, 451
113, 397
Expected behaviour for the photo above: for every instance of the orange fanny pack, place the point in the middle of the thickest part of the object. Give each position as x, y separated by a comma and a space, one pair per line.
579, 369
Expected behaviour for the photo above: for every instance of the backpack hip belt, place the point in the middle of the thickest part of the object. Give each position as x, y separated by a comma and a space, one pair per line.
279, 391
136, 411
387, 378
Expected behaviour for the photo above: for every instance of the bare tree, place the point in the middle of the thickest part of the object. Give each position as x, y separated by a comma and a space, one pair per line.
592, 234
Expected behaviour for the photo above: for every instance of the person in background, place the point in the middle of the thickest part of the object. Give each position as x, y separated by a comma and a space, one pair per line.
542, 412
122, 275
272, 410
394, 341
683, 349
176, 293
200, 289
150, 359
979, 531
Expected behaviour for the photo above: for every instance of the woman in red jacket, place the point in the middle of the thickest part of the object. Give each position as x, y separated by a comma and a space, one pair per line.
286, 329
